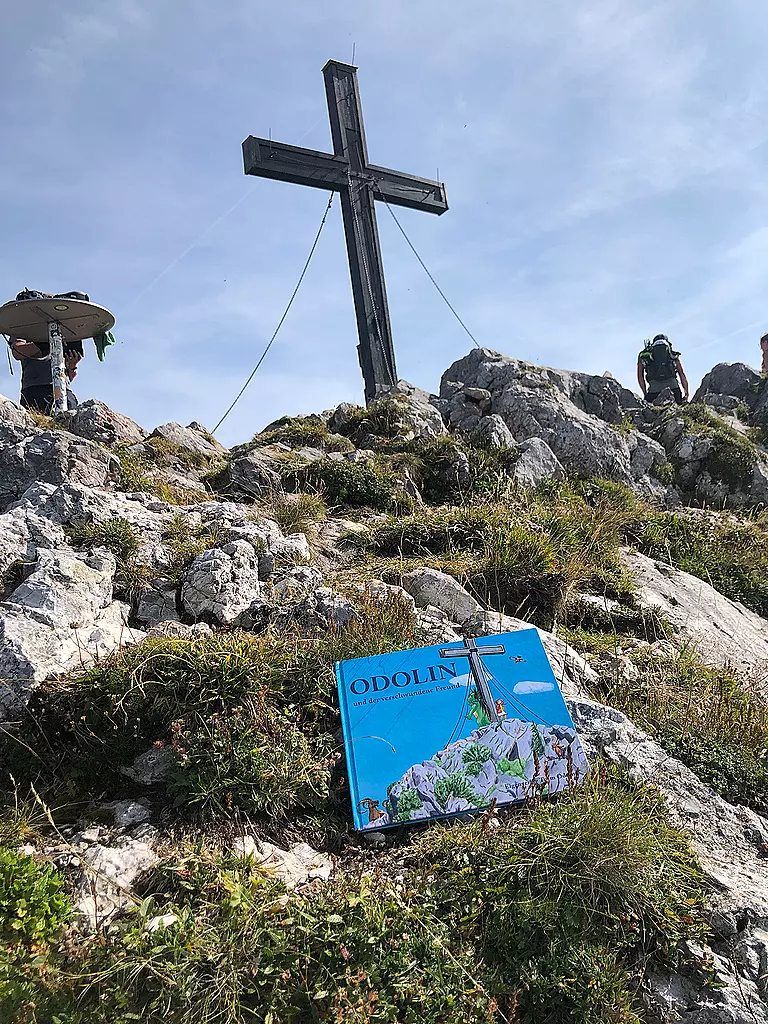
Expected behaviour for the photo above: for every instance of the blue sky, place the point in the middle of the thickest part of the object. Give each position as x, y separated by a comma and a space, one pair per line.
606, 168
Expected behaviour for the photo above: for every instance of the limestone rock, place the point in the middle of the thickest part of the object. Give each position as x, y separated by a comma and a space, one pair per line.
15, 422
324, 607
420, 416
192, 438
293, 548
108, 875
380, 592
153, 766
536, 463
736, 380
295, 867
65, 590
253, 475
221, 583
492, 432
729, 841
571, 412
31, 651
429, 586
95, 421
53, 457
158, 604
723, 632
297, 583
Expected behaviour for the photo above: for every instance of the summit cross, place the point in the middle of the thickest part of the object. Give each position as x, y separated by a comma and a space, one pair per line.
348, 172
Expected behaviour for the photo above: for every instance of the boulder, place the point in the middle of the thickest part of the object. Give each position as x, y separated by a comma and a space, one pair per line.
324, 607
736, 380
723, 632
53, 457
31, 652
15, 422
420, 417
536, 463
253, 475
158, 604
193, 438
431, 587
63, 589
492, 432
95, 421
222, 583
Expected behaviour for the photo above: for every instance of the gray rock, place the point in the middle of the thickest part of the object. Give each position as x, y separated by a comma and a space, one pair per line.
492, 432
324, 607
429, 586
15, 422
723, 632
420, 416
108, 876
127, 812
297, 583
736, 380
190, 438
53, 457
222, 583
158, 604
293, 548
63, 589
728, 841
31, 651
536, 463
295, 867
253, 475
153, 766
381, 593
95, 421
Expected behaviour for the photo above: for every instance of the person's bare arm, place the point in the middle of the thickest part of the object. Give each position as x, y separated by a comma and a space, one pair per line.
71, 358
641, 378
24, 349
683, 378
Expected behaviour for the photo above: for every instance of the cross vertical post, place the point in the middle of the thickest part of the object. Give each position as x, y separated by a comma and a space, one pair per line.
359, 183
58, 371
474, 654
376, 350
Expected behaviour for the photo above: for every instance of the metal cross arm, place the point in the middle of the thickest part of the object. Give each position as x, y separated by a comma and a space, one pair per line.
267, 159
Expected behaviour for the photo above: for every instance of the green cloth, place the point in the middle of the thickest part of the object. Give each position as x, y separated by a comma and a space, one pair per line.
102, 342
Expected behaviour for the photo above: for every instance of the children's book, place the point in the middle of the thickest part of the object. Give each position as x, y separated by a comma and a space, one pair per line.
448, 729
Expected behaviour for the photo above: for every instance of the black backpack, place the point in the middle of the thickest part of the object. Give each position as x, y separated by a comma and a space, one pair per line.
29, 294
659, 361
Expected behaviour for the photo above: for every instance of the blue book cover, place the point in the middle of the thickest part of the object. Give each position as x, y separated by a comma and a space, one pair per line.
448, 729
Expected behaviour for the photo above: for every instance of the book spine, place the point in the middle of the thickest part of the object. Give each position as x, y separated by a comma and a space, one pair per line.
346, 728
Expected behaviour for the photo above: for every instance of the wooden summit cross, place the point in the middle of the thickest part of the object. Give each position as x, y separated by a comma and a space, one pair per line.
359, 183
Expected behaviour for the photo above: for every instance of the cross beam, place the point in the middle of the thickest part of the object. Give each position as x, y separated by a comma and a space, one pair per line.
359, 183
475, 655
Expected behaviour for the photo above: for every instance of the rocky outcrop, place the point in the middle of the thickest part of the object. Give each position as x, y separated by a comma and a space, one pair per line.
575, 414
95, 421
431, 587
53, 457
730, 842
193, 438
721, 631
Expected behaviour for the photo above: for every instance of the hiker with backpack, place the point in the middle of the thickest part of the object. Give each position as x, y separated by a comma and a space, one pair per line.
659, 368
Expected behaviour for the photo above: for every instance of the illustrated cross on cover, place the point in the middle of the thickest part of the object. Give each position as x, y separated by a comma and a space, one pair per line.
479, 675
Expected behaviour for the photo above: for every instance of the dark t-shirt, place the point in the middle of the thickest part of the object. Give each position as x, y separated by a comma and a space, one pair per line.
37, 372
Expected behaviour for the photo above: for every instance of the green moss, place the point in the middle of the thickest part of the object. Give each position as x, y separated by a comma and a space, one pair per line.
299, 432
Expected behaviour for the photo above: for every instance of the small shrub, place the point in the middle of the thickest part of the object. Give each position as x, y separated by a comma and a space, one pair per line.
368, 484
408, 802
299, 432
733, 456
455, 785
297, 513
117, 535
33, 906
475, 756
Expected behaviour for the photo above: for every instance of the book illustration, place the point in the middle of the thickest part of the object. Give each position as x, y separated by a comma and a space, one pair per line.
455, 735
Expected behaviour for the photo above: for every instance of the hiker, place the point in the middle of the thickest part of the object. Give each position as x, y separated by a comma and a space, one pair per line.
36, 374
659, 368
764, 349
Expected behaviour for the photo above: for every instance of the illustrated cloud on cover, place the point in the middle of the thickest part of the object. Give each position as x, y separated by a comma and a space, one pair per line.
532, 686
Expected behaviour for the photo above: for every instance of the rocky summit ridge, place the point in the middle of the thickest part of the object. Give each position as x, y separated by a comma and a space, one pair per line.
173, 788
